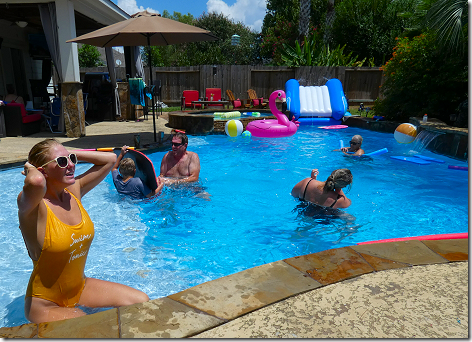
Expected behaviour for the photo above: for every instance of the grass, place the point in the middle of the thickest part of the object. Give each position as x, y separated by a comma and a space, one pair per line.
354, 110
171, 109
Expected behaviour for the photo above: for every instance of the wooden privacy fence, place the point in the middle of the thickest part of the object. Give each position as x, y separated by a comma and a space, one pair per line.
359, 84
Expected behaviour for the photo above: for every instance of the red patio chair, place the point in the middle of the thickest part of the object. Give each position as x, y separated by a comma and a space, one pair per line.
213, 94
187, 97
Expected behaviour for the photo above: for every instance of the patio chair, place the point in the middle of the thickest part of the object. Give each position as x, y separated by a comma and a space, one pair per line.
257, 102
187, 97
213, 94
19, 121
237, 103
52, 118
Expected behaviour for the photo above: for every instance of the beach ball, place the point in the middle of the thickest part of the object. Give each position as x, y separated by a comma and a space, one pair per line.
233, 128
246, 134
405, 133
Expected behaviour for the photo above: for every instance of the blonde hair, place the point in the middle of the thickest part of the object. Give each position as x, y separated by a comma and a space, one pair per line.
336, 177
127, 168
39, 153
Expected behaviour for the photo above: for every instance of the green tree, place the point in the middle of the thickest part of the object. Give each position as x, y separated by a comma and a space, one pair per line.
89, 56
368, 28
420, 78
449, 19
216, 52
282, 22
314, 53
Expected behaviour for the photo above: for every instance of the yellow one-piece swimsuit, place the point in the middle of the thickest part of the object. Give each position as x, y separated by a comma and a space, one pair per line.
58, 274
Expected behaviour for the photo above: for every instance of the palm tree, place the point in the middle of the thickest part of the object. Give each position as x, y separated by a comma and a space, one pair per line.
304, 19
448, 18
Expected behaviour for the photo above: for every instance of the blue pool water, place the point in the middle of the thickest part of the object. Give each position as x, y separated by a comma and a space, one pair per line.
241, 214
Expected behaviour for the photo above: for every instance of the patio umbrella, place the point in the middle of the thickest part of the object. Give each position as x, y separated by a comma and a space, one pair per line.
145, 29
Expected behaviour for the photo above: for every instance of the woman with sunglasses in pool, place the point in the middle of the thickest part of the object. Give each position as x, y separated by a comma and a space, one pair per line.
180, 165
58, 233
354, 148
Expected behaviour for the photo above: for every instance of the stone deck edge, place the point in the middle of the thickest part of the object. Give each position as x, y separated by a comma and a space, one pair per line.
216, 302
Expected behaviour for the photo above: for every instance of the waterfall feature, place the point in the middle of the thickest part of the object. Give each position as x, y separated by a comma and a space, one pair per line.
423, 139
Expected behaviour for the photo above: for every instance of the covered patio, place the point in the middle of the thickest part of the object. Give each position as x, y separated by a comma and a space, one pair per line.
36, 59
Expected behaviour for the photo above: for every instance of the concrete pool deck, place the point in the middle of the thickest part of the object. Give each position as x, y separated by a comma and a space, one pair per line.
385, 290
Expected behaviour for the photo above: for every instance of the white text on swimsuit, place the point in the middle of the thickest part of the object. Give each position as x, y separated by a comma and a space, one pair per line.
80, 239
76, 256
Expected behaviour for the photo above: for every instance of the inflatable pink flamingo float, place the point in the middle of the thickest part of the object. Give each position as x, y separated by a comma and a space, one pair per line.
282, 127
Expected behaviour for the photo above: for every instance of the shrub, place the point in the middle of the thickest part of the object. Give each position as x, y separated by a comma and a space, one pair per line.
420, 79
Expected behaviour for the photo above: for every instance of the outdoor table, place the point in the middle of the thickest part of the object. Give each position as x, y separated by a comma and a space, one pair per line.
211, 103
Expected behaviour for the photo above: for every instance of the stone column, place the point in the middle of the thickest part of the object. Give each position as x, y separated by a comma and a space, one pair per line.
125, 104
73, 109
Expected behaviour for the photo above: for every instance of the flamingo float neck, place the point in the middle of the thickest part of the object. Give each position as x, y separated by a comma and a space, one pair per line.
281, 117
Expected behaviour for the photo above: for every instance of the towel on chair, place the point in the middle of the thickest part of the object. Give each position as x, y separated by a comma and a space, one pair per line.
136, 91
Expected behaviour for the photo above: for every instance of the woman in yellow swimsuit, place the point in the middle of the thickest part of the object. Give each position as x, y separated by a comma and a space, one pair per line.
58, 233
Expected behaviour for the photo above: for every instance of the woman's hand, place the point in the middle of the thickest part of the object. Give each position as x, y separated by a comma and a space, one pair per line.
314, 173
27, 166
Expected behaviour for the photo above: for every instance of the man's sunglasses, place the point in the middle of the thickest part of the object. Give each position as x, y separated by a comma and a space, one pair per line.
177, 144
353, 143
62, 162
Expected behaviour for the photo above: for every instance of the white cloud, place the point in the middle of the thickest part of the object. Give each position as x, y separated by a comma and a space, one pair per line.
250, 12
131, 7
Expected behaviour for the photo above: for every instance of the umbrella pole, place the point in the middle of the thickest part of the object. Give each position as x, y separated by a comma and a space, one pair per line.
150, 86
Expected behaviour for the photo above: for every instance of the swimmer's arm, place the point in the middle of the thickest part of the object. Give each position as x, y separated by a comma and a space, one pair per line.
193, 169
314, 173
34, 189
164, 165
103, 162
343, 202
160, 185
124, 149
359, 152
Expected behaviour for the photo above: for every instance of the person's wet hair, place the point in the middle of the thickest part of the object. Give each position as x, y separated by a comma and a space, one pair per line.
182, 136
339, 178
39, 153
127, 168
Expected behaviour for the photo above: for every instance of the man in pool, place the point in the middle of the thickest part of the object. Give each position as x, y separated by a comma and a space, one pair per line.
125, 181
180, 165
354, 148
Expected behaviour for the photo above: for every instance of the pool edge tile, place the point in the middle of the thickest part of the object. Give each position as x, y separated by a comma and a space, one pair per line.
382, 264
27, 330
412, 252
450, 249
332, 265
246, 291
102, 324
164, 318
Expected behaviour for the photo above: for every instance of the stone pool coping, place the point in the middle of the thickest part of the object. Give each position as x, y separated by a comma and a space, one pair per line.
215, 303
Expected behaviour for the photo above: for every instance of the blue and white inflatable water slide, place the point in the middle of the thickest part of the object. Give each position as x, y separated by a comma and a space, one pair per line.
316, 105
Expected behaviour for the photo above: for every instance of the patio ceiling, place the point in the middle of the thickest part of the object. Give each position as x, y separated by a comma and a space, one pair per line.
101, 14
30, 14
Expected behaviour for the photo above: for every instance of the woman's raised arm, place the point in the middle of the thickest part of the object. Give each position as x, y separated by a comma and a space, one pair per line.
102, 164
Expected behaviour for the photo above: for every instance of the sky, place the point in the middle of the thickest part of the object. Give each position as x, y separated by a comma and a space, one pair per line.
249, 12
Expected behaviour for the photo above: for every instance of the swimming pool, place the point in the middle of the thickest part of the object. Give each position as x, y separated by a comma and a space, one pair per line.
241, 214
